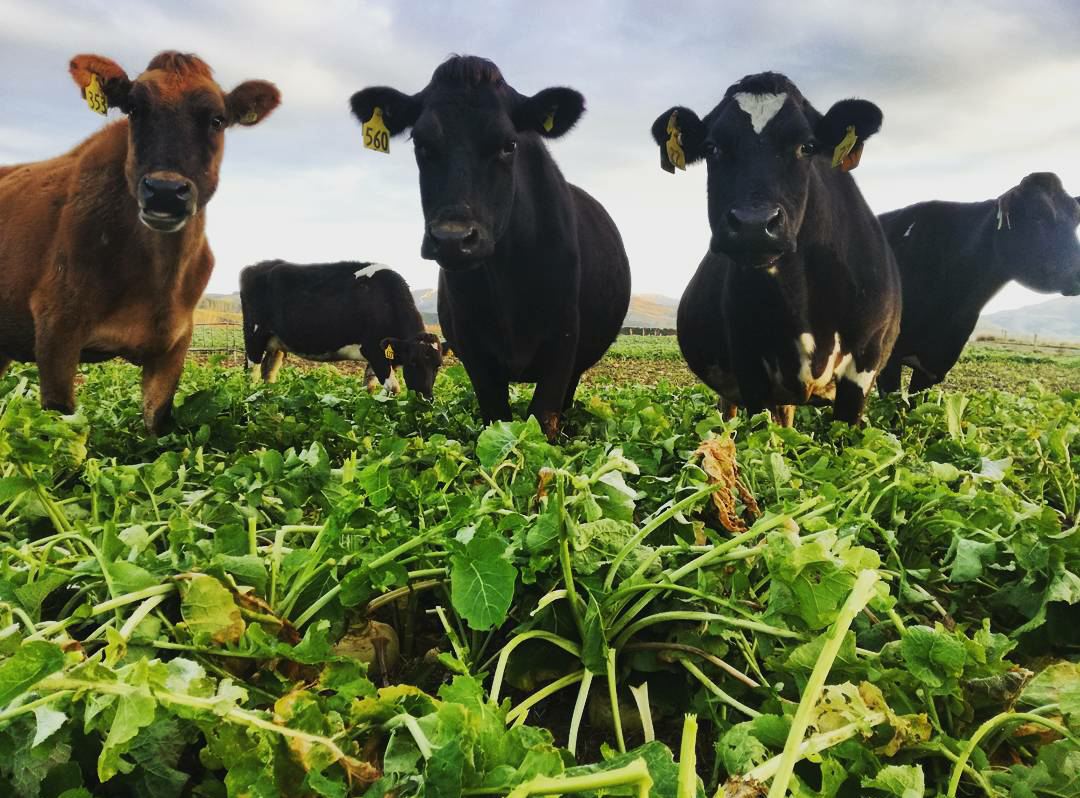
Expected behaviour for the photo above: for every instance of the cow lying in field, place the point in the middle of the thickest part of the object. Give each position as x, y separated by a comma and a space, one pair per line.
798, 299
954, 256
103, 252
534, 281
337, 311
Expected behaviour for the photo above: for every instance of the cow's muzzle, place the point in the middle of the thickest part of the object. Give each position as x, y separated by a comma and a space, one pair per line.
166, 201
755, 235
456, 244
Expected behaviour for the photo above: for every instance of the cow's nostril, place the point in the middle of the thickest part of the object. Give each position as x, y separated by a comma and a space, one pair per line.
772, 224
472, 238
183, 193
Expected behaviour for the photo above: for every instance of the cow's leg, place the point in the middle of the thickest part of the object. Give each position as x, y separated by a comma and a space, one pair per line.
5, 364
570, 391
729, 410
370, 379
271, 362
492, 389
160, 376
784, 415
57, 351
552, 389
852, 386
888, 380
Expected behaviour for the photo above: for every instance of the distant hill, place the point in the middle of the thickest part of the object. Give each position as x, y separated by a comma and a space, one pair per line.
1055, 320
219, 309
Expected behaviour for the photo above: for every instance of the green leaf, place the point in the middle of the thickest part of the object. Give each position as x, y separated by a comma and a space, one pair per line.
482, 581
903, 781
210, 611
739, 750
970, 558
134, 711
933, 656
495, 442
10, 487
32, 662
594, 649
48, 722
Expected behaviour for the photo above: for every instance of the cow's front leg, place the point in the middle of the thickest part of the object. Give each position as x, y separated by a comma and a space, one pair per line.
852, 387
160, 376
271, 361
379, 370
490, 384
556, 361
57, 351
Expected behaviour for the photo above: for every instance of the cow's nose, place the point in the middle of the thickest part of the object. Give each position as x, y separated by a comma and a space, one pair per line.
166, 195
761, 222
454, 240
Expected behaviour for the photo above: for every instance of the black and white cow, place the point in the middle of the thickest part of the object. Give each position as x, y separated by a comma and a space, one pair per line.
798, 299
954, 256
534, 281
337, 311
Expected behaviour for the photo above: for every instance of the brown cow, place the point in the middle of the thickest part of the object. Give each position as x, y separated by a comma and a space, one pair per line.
103, 251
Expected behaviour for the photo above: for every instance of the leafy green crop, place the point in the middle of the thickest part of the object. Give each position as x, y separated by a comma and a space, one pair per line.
304, 589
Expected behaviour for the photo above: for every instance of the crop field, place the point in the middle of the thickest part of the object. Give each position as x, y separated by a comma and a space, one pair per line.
307, 590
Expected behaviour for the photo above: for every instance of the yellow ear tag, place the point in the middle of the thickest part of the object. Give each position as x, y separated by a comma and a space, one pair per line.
676, 158
549, 121
389, 352
376, 136
250, 118
95, 97
844, 148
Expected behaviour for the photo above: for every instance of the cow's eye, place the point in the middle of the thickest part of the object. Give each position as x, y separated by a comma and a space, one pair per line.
218, 123
508, 148
805, 150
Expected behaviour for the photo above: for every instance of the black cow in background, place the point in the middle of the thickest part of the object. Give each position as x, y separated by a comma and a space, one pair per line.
954, 256
534, 281
798, 300
337, 311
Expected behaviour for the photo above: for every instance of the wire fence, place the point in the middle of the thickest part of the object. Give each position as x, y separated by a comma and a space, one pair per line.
217, 338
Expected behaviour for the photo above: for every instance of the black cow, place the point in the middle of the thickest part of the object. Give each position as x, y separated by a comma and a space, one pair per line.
954, 256
337, 311
798, 300
534, 282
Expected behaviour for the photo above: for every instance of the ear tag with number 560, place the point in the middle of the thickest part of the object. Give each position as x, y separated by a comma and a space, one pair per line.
376, 136
95, 97
389, 352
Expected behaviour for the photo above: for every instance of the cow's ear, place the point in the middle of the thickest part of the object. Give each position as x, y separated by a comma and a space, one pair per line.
399, 110
845, 128
680, 133
551, 112
251, 102
111, 78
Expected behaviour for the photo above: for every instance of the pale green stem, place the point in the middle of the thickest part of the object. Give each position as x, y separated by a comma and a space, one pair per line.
613, 696
687, 784
579, 710
517, 640
521, 709
713, 688
860, 594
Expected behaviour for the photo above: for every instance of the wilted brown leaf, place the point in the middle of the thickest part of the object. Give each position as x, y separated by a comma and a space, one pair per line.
718, 461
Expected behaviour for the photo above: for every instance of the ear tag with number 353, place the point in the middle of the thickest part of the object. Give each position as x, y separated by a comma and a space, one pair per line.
95, 97
376, 136
389, 352
676, 158
844, 148
549, 121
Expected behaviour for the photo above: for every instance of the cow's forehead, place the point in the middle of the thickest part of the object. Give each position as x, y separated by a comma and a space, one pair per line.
760, 108
172, 87
471, 110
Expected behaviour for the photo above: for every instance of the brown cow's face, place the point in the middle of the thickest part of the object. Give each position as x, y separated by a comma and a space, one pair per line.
177, 115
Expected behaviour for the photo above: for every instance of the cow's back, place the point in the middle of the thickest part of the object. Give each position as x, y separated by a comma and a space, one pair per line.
315, 308
605, 278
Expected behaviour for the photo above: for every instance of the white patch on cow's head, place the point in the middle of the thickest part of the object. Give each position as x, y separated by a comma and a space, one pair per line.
761, 108
255, 328
908, 231
369, 270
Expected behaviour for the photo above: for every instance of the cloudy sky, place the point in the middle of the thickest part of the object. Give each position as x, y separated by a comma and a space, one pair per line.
976, 94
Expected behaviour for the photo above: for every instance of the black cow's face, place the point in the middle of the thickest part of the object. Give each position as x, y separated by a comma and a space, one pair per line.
470, 131
421, 357
177, 115
762, 144
1037, 224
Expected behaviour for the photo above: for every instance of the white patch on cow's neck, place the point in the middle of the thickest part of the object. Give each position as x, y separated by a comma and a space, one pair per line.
367, 271
908, 231
761, 108
864, 379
